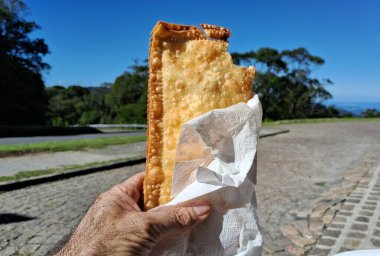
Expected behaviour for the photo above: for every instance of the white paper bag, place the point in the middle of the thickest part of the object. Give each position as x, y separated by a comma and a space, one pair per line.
216, 160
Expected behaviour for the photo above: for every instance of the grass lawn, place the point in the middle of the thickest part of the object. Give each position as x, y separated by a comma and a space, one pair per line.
28, 174
321, 120
54, 146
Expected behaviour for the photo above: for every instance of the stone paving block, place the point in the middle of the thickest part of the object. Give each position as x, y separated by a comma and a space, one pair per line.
376, 232
316, 225
269, 246
352, 243
331, 233
300, 240
360, 227
43, 250
356, 234
319, 251
353, 200
348, 207
344, 249
362, 219
37, 240
336, 225
375, 242
370, 203
302, 227
319, 211
303, 214
344, 213
327, 241
368, 207
28, 249
3, 242
366, 213
340, 219
295, 250
289, 231
11, 249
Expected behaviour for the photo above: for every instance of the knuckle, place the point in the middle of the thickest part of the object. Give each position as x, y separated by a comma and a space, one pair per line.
183, 216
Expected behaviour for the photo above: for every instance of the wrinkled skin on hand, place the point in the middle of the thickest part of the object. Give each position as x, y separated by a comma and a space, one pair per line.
115, 224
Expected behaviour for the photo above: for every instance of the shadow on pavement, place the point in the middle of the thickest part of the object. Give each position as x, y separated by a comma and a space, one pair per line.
6, 218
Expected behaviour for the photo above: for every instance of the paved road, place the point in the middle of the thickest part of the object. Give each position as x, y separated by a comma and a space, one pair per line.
11, 165
24, 140
304, 178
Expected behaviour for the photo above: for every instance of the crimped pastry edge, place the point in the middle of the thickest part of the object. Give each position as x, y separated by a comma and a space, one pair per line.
172, 32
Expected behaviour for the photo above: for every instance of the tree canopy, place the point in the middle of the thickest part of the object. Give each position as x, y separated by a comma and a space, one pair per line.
127, 99
371, 112
124, 101
284, 83
22, 96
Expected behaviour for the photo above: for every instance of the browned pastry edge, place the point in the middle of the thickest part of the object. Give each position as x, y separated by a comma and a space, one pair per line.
174, 32
216, 32
164, 31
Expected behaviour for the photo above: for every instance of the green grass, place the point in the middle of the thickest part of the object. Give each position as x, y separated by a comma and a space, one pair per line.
54, 146
321, 120
28, 174
25, 175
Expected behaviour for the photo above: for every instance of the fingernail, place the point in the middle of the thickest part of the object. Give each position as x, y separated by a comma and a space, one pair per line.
201, 210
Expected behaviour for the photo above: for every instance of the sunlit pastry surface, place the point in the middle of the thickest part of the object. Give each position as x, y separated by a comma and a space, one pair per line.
190, 73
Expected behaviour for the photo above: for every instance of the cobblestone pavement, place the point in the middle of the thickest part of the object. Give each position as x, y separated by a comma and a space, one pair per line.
305, 176
307, 179
34, 219
357, 224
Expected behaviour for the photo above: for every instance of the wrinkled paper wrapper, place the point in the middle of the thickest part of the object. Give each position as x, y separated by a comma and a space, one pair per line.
216, 160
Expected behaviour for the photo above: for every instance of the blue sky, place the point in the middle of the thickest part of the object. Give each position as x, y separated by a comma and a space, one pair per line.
94, 41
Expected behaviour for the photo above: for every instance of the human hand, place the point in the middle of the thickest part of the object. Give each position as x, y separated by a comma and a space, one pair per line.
115, 224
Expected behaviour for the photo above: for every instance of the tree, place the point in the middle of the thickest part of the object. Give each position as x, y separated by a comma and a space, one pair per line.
96, 111
66, 106
78, 105
284, 83
128, 96
22, 95
371, 112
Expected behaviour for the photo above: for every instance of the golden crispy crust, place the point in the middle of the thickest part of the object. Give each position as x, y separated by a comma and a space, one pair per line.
216, 32
190, 73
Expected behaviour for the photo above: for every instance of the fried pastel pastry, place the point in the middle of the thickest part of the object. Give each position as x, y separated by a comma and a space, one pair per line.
190, 73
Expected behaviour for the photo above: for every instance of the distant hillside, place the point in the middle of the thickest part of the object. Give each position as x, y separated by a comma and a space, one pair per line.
356, 108
95, 88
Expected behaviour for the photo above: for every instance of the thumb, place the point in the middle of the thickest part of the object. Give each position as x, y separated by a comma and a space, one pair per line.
180, 218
